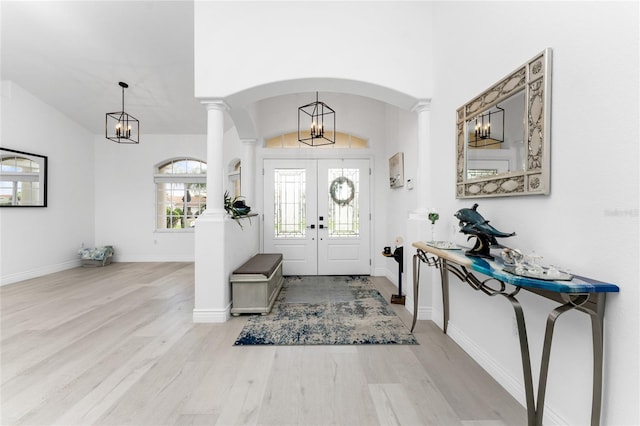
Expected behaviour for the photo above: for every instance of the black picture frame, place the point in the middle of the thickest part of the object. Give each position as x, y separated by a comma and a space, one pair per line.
8, 193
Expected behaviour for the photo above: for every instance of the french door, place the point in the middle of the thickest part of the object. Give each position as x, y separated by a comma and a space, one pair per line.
316, 214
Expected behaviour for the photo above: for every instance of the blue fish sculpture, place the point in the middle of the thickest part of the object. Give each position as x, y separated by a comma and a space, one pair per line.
473, 224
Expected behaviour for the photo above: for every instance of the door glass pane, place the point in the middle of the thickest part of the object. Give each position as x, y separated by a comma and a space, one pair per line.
289, 203
344, 208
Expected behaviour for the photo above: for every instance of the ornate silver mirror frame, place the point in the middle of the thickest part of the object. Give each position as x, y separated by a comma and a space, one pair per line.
532, 174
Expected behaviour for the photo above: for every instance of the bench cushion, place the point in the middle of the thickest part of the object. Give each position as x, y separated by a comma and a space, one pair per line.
261, 264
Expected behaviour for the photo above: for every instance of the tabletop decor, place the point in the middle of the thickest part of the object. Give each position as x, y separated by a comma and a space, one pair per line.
472, 223
529, 266
433, 218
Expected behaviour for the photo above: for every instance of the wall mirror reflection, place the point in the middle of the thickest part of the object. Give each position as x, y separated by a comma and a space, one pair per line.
23, 179
503, 135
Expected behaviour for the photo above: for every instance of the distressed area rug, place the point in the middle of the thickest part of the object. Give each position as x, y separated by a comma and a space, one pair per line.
327, 311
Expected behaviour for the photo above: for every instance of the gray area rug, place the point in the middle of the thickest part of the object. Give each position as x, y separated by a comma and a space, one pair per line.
335, 310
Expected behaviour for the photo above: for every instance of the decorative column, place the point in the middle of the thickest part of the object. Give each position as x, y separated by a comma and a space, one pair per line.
215, 158
423, 110
417, 225
211, 293
248, 182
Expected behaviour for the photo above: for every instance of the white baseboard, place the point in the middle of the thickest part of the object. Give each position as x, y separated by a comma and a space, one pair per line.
45, 270
381, 272
425, 313
511, 384
211, 315
164, 258
38, 272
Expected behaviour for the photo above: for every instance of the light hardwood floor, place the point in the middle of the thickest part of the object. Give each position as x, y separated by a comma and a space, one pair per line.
116, 345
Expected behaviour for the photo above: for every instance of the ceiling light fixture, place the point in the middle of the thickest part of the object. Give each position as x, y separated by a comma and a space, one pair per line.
316, 124
482, 136
121, 127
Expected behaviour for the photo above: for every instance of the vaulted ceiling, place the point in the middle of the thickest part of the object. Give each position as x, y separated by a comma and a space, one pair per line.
72, 54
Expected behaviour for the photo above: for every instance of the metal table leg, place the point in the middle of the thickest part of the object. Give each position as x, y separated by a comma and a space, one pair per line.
416, 282
444, 281
418, 258
525, 359
483, 286
597, 323
597, 316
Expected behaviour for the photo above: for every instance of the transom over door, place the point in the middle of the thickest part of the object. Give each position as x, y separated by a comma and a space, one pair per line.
317, 215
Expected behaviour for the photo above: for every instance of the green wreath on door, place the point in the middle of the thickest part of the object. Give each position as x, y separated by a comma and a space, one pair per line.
336, 186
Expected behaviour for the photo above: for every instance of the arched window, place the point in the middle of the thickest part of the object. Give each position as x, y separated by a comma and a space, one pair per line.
181, 193
235, 178
290, 140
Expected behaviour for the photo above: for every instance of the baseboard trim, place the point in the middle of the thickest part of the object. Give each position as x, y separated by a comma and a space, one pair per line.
425, 313
167, 258
510, 383
38, 272
212, 315
380, 272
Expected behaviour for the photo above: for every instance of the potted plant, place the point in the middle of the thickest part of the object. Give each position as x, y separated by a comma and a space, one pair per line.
236, 207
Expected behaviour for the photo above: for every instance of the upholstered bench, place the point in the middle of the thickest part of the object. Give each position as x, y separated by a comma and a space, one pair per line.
256, 284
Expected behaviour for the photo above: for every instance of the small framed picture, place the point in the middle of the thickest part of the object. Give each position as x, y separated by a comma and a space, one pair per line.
396, 170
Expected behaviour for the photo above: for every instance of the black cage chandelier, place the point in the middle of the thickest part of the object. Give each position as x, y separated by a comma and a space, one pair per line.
316, 124
483, 135
121, 127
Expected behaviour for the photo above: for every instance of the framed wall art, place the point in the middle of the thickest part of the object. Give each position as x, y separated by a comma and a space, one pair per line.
23, 179
396, 170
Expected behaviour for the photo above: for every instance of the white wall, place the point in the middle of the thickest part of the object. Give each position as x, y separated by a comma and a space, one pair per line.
125, 197
401, 136
589, 222
276, 41
38, 241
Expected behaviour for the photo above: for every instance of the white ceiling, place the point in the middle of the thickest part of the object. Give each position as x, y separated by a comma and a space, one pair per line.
72, 54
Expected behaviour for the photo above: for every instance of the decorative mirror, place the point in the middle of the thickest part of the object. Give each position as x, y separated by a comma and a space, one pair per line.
23, 179
503, 135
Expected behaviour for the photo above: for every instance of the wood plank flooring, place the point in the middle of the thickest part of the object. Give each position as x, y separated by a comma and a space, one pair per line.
116, 346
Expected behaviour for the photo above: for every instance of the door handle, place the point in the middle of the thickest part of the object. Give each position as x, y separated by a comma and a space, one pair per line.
321, 226
313, 226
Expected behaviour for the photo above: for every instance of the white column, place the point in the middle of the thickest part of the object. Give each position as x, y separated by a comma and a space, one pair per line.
249, 172
418, 223
215, 158
211, 292
423, 110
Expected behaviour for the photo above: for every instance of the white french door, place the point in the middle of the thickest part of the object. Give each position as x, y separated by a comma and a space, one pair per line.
316, 214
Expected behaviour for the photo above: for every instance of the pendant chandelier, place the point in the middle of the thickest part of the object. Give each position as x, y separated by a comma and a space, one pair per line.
482, 131
316, 124
121, 127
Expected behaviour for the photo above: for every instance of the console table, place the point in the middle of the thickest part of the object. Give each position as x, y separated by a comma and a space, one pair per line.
580, 294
